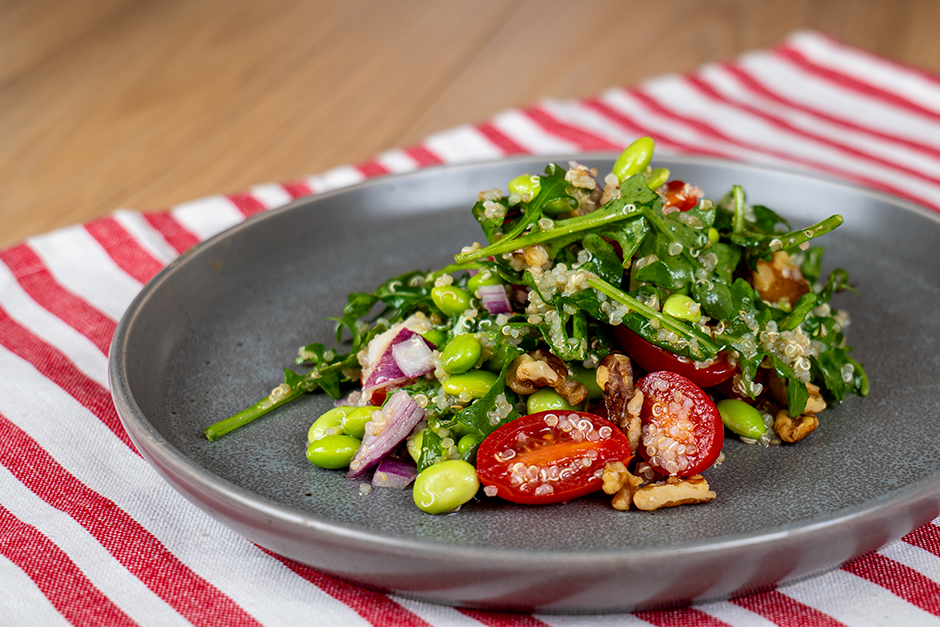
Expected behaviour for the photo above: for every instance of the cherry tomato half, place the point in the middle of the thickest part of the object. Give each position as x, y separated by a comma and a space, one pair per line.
680, 195
550, 456
652, 358
682, 432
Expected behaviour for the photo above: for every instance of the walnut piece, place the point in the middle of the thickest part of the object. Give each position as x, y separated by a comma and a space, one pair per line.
542, 368
779, 279
673, 492
794, 429
619, 482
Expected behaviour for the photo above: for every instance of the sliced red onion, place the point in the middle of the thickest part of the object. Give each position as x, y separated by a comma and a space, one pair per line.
413, 356
385, 431
386, 371
494, 299
394, 473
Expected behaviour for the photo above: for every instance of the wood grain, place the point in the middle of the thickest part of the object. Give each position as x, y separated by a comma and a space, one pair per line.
145, 104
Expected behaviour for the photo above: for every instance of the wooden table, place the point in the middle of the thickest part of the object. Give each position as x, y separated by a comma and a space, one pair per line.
144, 104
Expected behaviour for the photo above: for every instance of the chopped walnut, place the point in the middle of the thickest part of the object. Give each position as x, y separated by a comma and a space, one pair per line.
779, 280
794, 429
542, 368
673, 492
815, 403
619, 482
615, 377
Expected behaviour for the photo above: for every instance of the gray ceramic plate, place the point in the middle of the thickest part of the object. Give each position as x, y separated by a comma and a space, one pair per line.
212, 333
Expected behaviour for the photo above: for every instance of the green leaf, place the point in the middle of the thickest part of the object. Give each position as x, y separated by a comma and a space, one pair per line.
799, 312
474, 417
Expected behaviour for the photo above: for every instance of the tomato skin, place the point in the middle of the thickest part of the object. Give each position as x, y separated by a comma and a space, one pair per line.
679, 195
669, 399
652, 358
534, 440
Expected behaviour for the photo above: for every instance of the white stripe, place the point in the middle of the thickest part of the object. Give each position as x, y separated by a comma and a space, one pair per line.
79, 349
99, 566
735, 615
869, 69
208, 216
461, 144
85, 447
805, 88
148, 237
397, 161
81, 265
22, 603
336, 178
752, 130
924, 562
856, 601
729, 86
532, 136
625, 103
436, 614
270, 195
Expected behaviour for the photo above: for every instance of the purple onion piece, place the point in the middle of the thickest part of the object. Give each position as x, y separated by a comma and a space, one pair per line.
398, 417
413, 356
494, 299
394, 473
386, 372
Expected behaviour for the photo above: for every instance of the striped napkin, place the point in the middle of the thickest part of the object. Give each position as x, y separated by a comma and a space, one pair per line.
90, 535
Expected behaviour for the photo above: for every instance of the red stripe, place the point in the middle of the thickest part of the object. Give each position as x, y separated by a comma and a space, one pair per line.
860, 52
824, 166
372, 168
297, 190
902, 581
37, 281
753, 83
172, 231
926, 537
501, 140
850, 82
783, 124
785, 611
374, 607
582, 138
501, 619
56, 576
247, 204
124, 250
55, 366
423, 156
682, 617
142, 554
661, 137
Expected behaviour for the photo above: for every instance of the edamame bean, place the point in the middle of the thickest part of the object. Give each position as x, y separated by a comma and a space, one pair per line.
354, 422
657, 177
333, 451
741, 418
467, 446
525, 184
329, 423
713, 235
587, 377
476, 383
414, 445
635, 158
450, 299
484, 277
682, 307
445, 486
546, 399
435, 336
461, 353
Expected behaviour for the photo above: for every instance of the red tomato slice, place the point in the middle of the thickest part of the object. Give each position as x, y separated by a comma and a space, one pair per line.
682, 431
549, 457
679, 194
652, 358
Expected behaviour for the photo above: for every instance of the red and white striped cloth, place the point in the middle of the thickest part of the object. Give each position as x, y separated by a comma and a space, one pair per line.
85, 534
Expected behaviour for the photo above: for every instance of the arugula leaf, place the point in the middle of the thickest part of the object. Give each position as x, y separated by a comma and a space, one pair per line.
474, 417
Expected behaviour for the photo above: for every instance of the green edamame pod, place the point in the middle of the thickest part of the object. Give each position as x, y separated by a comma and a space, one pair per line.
354, 421
587, 377
634, 159
333, 451
451, 300
682, 307
476, 383
484, 277
445, 486
741, 418
461, 354
414, 444
526, 184
657, 177
546, 399
330, 423
435, 336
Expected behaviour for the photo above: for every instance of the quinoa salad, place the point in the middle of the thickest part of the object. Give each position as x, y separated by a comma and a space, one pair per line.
607, 335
